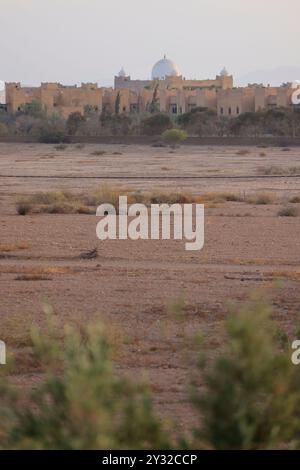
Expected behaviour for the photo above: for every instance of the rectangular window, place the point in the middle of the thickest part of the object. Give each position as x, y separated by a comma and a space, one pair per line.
134, 108
173, 108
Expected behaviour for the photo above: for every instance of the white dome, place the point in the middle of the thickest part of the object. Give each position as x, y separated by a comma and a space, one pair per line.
163, 68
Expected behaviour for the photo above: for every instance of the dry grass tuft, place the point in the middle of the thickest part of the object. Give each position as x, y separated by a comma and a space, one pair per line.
32, 277
218, 198
15, 330
60, 147
295, 200
163, 197
35, 270
23, 206
98, 153
55, 202
293, 275
261, 199
288, 212
9, 247
105, 194
65, 202
274, 170
271, 170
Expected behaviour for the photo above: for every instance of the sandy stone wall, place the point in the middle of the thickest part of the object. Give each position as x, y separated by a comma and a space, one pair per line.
174, 95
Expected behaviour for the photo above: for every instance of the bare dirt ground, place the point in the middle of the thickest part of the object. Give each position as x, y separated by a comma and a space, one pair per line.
131, 283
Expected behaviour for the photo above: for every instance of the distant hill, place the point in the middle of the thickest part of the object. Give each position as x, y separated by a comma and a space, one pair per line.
274, 77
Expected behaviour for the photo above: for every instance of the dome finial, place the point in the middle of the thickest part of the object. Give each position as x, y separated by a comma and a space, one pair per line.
122, 73
224, 72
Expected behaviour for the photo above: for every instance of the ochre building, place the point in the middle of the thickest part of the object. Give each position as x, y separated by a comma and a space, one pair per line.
167, 91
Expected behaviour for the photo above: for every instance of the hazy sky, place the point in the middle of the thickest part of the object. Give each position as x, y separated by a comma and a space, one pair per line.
90, 40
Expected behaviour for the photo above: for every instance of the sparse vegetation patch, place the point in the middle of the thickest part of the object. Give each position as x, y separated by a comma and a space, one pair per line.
288, 211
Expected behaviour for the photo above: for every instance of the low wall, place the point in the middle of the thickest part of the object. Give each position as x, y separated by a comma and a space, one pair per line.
150, 140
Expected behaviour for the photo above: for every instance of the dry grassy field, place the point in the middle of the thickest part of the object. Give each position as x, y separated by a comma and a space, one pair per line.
252, 241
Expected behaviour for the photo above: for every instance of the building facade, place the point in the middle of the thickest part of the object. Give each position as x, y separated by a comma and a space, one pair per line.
167, 91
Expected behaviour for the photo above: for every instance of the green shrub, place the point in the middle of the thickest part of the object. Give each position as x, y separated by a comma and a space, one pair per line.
3, 129
81, 402
173, 137
247, 397
201, 121
48, 136
252, 394
33, 109
156, 124
74, 121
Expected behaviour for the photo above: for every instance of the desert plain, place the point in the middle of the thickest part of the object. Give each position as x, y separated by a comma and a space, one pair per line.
133, 286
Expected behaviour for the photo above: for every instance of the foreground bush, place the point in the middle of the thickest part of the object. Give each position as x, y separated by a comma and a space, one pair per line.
253, 390
81, 403
173, 137
251, 398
